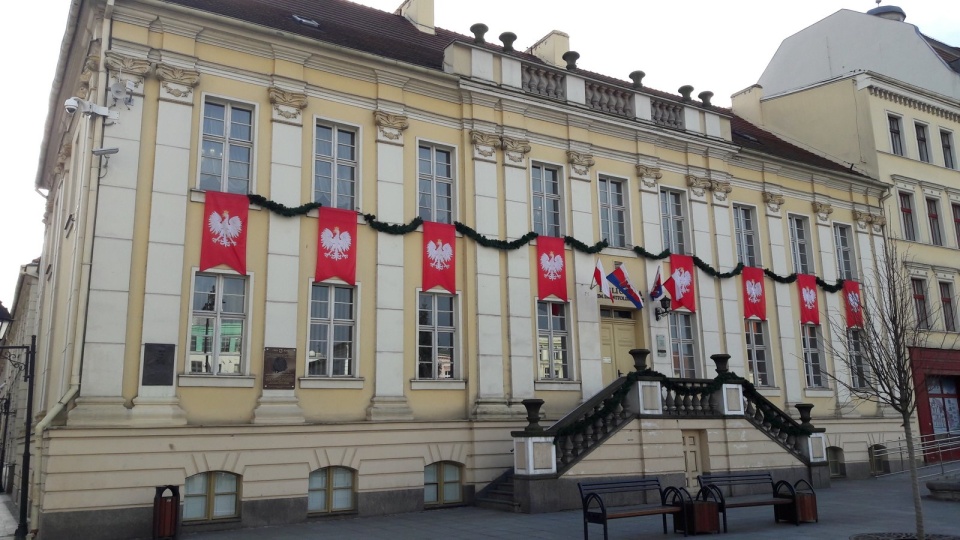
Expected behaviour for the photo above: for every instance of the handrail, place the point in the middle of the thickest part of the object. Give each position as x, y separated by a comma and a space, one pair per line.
930, 447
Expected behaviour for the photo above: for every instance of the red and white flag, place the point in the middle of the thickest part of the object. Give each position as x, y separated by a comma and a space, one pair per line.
598, 277
754, 293
809, 304
224, 238
439, 256
680, 284
336, 249
854, 303
551, 268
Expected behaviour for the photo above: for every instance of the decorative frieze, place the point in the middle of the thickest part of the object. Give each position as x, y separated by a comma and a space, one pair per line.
515, 151
580, 163
721, 189
176, 83
485, 145
390, 127
773, 201
823, 211
900, 99
128, 68
286, 105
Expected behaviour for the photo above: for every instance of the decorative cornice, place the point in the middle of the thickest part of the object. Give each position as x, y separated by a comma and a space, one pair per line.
486, 144
721, 188
579, 162
515, 149
137, 68
178, 82
287, 104
391, 126
773, 200
901, 99
823, 211
697, 185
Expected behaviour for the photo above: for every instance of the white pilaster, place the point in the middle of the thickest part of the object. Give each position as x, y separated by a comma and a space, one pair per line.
835, 320
730, 289
585, 300
652, 241
707, 303
519, 291
793, 378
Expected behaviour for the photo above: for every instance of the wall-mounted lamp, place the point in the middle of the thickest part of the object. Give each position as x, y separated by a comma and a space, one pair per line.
664, 308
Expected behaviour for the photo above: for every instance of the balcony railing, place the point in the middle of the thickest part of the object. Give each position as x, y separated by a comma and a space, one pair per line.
666, 113
542, 81
608, 99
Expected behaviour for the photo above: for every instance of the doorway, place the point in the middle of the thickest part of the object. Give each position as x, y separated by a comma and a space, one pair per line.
692, 457
618, 334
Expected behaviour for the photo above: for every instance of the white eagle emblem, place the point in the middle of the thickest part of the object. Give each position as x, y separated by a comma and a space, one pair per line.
552, 265
754, 291
440, 254
335, 244
226, 229
853, 300
809, 298
682, 280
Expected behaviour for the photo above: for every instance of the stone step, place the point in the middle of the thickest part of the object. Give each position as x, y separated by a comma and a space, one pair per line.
497, 504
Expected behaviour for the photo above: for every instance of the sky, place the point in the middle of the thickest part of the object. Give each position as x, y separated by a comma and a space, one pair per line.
718, 46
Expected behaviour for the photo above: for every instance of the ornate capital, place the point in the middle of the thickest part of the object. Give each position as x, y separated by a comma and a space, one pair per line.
88, 74
485, 145
862, 218
649, 175
515, 149
287, 104
177, 82
391, 126
773, 201
579, 162
823, 211
63, 158
721, 189
878, 222
135, 69
697, 185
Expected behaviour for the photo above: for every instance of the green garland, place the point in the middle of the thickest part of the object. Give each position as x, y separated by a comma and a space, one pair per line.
494, 243
281, 209
583, 248
380, 226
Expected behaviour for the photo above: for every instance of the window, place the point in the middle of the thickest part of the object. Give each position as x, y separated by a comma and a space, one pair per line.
906, 212
330, 490
946, 300
682, 346
672, 221
922, 147
896, 141
335, 167
757, 366
835, 462
812, 356
745, 230
920, 302
613, 212
219, 317
800, 245
946, 142
547, 201
435, 190
436, 337
956, 222
332, 331
943, 399
933, 214
441, 483
226, 162
211, 496
859, 369
846, 268
553, 341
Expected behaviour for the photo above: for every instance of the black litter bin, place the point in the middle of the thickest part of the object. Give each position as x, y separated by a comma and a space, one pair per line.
166, 513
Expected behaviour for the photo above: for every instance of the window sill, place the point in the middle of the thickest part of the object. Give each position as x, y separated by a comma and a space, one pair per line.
331, 383
556, 385
217, 381
768, 391
818, 392
423, 384
200, 195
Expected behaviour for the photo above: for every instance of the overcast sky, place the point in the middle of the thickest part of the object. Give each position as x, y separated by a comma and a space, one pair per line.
712, 45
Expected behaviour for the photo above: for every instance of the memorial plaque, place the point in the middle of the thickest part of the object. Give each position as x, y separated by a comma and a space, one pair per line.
279, 368
158, 361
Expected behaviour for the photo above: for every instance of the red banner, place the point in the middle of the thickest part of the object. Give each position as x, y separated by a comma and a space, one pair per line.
854, 302
551, 268
680, 284
439, 256
336, 253
224, 238
754, 293
809, 304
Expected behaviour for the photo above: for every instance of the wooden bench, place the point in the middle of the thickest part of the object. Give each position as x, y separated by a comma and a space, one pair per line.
596, 510
781, 495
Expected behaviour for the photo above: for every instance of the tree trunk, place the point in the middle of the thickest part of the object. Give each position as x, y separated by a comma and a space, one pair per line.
914, 481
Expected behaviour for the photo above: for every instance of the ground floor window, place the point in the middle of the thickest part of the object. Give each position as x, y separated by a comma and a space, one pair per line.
331, 489
835, 462
442, 484
553, 341
757, 358
812, 356
210, 496
944, 407
682, 345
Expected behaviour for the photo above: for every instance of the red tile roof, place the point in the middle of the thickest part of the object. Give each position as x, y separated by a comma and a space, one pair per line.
751, 137
949, 53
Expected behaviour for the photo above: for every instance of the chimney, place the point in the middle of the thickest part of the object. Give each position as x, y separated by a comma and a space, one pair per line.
420, 13
551, 48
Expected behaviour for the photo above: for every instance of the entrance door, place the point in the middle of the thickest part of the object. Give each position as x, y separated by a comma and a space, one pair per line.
692, 457
618, 334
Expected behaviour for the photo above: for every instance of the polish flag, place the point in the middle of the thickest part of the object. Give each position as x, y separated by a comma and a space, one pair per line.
336, 252
854, 303
551, 268
439, 256
754, 293
680, 284
224, 238
809, 304
598, 277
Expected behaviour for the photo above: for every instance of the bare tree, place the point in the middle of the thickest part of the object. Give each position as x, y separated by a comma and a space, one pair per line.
877, 355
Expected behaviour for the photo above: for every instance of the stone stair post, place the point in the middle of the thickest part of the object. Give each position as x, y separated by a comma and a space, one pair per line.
729, 400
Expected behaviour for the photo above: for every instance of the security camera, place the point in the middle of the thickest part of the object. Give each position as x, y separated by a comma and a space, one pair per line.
75, 104
71, 105
105, 151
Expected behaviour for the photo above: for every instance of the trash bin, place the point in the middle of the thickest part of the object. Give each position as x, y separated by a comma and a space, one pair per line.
166, 513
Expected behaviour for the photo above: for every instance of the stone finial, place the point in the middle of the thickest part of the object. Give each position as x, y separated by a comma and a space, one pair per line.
571, 57
639, 359
804, 409
685, 91
479, 30
705, 97
637, 78
722, 361
533, 415
507, 38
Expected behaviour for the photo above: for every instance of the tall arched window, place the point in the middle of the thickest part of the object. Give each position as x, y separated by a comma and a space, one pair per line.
331, 489
211, 496
442, 483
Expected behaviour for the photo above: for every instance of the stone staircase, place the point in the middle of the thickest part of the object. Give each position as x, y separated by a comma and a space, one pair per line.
499, 494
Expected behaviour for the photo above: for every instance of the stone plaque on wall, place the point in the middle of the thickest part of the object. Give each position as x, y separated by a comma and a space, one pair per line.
158, 364
279, 368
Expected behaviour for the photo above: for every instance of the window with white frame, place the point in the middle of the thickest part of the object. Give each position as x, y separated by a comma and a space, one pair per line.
744, 227
331, 351
335, 166
553, 341
919, 287
442, 483
330, 490
859, 368
946, 143
812, 356
946, 303
923, 146
843, 237
933, 216
800, 245
896, 137
906, 215
436, 337
435, 191
613, 211
673, 221
211, 496
956, 221
758, 366
226, 158
682, 346
547, 200
217, 330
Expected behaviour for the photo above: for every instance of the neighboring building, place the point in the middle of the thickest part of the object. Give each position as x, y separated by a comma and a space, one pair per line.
269, 398
872, 91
